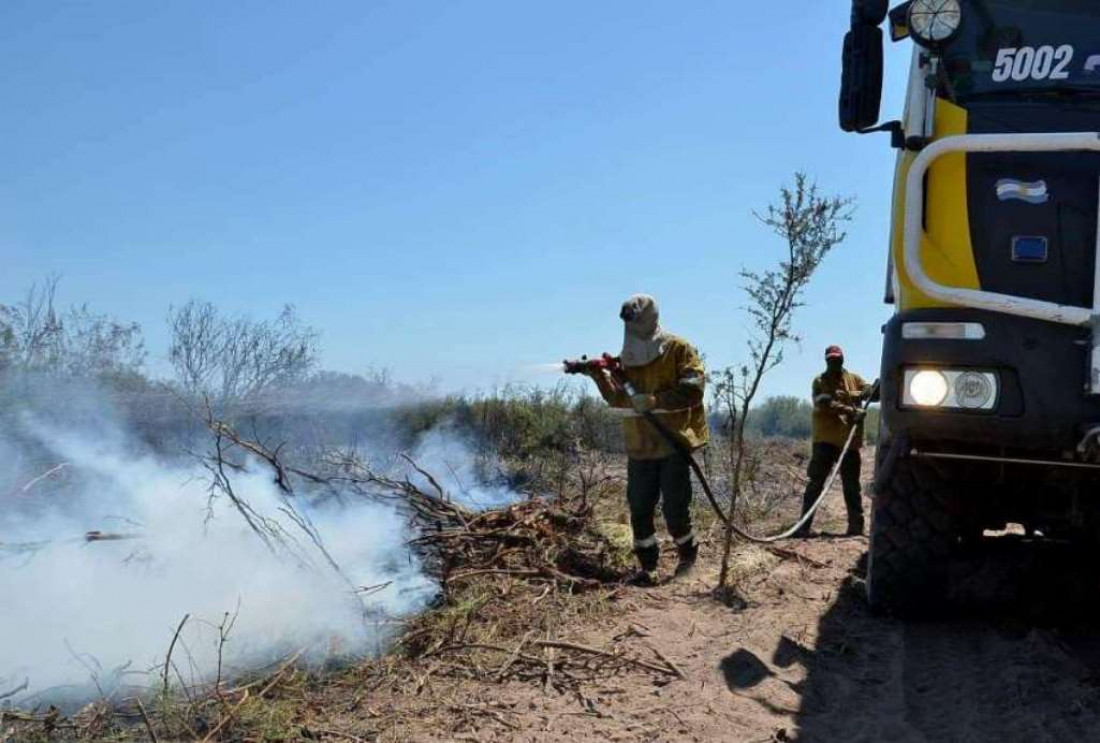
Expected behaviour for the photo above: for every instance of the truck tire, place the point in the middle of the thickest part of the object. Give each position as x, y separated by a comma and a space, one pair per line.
913, 534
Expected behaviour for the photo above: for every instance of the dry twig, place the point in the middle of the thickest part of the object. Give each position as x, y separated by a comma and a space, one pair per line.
145, 720
596, 651
171, 647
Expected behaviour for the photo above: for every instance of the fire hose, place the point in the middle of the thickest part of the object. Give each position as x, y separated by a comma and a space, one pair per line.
612, 366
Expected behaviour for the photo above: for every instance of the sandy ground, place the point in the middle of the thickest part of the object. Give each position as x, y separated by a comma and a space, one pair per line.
1017, 658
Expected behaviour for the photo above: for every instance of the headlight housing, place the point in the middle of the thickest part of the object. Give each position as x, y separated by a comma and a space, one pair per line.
949, 389
934, 23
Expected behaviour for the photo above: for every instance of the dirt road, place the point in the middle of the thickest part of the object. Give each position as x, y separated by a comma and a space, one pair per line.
804, 660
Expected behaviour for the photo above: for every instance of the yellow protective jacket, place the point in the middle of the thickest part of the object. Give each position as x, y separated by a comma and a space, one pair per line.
835, 399
676, 378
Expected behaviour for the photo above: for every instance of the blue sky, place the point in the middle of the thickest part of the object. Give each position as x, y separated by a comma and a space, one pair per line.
453, 189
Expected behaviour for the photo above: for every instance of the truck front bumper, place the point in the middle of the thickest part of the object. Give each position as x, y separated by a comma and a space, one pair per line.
1042, 404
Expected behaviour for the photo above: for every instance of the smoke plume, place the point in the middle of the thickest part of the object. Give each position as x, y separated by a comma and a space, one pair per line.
102, 559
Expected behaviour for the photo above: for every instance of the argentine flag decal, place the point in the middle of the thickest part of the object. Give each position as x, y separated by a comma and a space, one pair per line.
1032, 193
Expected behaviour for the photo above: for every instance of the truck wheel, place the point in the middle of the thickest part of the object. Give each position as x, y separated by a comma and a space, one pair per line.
913, 534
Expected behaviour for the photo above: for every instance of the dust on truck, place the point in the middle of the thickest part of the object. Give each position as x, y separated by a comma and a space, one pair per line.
991, 361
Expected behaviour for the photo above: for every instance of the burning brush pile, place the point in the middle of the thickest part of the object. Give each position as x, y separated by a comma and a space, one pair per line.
533, 539
506, 580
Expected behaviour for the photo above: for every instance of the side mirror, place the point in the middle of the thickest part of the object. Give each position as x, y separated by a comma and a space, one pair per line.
869, 12
861, 79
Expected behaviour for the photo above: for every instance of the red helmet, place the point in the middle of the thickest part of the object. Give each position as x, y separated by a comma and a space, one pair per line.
834, 352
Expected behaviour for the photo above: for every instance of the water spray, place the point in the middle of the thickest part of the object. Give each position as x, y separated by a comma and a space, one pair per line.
556, 368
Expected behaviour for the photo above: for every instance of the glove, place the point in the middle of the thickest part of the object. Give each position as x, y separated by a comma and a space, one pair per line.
852, 416
643, 402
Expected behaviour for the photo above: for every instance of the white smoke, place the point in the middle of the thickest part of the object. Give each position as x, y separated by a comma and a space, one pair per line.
83, 618
457, 469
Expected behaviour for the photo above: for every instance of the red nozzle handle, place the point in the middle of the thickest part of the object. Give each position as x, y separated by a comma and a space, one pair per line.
584, 365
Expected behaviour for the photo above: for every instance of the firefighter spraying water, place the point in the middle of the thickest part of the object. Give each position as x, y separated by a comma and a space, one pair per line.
659, 377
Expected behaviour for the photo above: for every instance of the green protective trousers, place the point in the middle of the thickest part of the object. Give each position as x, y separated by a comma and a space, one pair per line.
821, 464
668, 481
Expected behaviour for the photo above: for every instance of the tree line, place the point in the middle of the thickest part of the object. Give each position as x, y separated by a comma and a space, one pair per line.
225, 362
233, 364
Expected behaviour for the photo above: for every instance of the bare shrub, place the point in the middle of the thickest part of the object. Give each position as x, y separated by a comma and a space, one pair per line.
232, 361
39, 338
809, 223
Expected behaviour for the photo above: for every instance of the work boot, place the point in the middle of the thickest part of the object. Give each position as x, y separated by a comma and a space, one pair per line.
647, 558
643, 578
689, 553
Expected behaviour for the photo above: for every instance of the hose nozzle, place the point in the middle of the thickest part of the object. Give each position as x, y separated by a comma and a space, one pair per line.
585, 365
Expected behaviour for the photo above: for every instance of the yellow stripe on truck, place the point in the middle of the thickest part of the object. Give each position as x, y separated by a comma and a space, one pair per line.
946, 251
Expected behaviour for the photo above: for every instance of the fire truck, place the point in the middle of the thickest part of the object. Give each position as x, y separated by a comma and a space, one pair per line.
990, 376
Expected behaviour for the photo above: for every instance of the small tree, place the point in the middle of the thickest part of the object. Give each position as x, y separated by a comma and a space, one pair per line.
39, 338
810, 225
231, 361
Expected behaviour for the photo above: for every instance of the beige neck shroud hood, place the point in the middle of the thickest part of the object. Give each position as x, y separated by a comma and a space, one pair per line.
643, 339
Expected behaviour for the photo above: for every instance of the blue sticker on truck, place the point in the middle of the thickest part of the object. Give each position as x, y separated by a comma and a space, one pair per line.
1029, 249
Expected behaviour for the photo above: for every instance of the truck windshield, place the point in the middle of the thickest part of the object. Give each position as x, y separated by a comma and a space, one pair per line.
1025, 48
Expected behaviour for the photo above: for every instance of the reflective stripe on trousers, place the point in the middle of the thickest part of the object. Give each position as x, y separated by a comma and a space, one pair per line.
668, 482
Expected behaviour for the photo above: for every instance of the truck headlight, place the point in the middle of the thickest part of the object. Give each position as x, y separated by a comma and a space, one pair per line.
957, 389
975, 390
933, 23
927, 388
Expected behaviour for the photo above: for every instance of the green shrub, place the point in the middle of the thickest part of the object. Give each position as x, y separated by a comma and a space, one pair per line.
518, 422
790, 417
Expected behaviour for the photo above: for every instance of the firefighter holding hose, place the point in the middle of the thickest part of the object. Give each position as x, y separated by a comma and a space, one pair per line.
667, 378
838, 397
